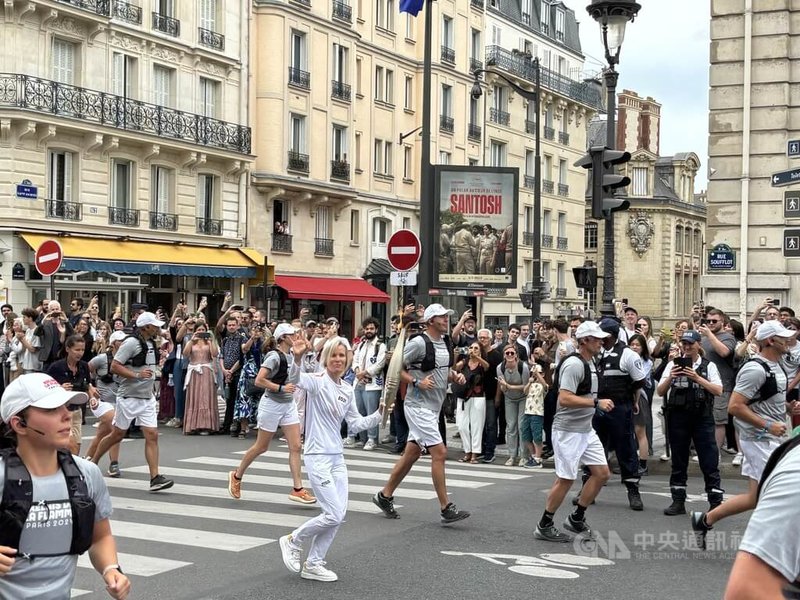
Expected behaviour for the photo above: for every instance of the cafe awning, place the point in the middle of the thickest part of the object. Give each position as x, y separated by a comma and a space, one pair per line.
337, 289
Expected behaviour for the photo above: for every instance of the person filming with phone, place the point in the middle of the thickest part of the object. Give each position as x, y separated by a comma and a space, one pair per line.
689, 384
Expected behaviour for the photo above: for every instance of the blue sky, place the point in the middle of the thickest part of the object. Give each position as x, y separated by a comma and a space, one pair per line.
665, 55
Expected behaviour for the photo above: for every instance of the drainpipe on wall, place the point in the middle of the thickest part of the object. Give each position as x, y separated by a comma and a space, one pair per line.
745, 179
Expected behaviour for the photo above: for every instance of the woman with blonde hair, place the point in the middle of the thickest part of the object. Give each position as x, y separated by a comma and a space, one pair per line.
201, 414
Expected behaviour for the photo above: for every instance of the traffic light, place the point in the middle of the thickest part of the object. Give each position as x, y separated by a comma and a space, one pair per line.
585, 277
601, 162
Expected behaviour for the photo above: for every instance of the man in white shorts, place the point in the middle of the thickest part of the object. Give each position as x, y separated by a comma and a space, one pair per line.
276, 408
575, 442
134, 365
428, 358
758, 405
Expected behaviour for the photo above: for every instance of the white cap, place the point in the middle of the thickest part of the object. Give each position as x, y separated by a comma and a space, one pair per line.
435, 310
773, 328
282, 330
38, 390
148, 318
590, 329
117, 336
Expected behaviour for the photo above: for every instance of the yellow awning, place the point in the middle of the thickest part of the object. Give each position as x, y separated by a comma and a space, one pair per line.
260, 260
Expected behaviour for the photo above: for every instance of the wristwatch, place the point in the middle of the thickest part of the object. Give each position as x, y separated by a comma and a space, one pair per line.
596, 402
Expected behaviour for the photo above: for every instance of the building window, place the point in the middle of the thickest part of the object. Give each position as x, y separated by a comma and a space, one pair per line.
528, 220
546, 274
382, 158
64, 59
61, 178
640, 187
410, 21
408, 93
408, 167
298, 50
447, 101
323, 223
340, 63
208, 97
297, 133
123, 77
406, 222
355, 226
547, 220
358, 152
384, 14
678, 239
560, 19
162, 86
206, 196
161, 189
384, 85
530, 163
445, 158
380, 231
562, 226
121, 183
497, 154
562, 171
339, 150
545, 18
358, 76
165, 8
447, 32
590, 236
476, 50
561, 276
208, 15
698, 243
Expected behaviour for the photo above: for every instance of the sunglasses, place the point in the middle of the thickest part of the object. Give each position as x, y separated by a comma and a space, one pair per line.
510, 353
73, 407
712, 321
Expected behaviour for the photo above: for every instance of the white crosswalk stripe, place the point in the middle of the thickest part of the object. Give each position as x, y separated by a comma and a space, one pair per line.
136, 564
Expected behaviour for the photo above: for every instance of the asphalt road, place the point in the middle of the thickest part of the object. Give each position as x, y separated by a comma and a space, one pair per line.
195, 542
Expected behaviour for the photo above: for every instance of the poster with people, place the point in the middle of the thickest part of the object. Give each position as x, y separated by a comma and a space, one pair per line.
476, 227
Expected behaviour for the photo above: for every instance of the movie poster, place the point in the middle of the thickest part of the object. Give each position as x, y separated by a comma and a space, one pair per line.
477, 227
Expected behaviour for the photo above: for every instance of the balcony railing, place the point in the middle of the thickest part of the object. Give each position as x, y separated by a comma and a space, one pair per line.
297, 162
342, 11
563, 138
547, 186
448, 55
99, 7
165, 221
474, 132
527, 238
446, 124
530, 127
304, 2
123, 216
211, 39
549, 133
323, 247
61, 209
209, 226
125, 11
561, 292
53, 98
476, 4
562, 243
166, 24
499, 116
563, 189
299, 78
475, 64
340, 90
547, 241
529, 181
340, 170
522, 67
281, 242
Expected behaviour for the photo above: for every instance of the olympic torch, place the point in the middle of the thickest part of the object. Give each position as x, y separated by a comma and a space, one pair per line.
392, 381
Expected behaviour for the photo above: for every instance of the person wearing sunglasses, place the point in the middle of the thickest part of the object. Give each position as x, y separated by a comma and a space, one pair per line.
719, 346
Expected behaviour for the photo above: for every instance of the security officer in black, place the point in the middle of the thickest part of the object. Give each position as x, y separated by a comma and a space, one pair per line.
620, 375
689, 384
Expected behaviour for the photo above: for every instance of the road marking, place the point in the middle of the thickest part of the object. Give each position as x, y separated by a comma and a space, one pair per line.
136, 564
215, 540
75, 593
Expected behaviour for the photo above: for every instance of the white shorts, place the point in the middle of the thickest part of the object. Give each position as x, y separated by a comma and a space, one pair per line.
143, 411
423, 426
102, 409
571, 450
756, 455
272, 415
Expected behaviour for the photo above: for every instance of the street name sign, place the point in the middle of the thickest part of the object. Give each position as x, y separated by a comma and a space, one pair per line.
782, 178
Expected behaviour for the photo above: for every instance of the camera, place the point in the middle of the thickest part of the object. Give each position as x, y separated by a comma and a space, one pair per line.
683, 363
775, 302
204, 335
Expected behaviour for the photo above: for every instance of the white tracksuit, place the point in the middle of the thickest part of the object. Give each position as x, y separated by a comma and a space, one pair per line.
327, 403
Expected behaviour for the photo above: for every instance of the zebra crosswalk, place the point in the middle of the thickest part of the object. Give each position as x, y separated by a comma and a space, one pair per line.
195, 525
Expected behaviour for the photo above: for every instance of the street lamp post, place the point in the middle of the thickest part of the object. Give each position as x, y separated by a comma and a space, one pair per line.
535, 96
613, 16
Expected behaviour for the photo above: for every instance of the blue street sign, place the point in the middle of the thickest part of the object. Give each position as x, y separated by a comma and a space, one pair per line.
793, 148
26, 189
782, 178
721, 258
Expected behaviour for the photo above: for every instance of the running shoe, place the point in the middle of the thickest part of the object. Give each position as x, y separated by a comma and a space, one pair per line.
700, 528
509, 462
575, 526
302, 496
113, 469
349, 442
234, 485
737, 460
451, 514
159, 482
318, 572
370, 445
551, 534
290, 553
532, 463
487, 460
386, 505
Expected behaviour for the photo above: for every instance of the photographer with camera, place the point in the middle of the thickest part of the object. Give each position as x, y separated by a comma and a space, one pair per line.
201, 414
52, 333
689, 385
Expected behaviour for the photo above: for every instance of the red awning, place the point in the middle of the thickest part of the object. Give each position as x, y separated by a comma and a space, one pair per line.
337, 289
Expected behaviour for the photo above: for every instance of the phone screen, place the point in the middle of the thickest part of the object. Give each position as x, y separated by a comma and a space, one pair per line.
683, 363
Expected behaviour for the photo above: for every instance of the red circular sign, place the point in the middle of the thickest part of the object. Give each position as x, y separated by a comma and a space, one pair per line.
48, 258
403, 250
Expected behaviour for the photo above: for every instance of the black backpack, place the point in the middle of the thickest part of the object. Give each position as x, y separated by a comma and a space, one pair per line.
428, 363
140, 359
770, 386
585, 386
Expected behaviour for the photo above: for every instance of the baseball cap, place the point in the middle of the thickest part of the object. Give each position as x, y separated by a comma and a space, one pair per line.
630, 309
117, 336
435, 310
770, 329
691, 336
332, 320
610, 326
138, 306
38, 390
311, 323
590, 329
148, 318
282, 330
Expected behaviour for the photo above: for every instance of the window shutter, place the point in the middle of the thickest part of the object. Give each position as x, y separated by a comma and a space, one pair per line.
208, 14
67, 176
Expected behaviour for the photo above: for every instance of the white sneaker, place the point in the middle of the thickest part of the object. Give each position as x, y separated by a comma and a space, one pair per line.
664, 458
509, 462
737, 460
318, 573
290, 553
370, 445
349, 442
694, 459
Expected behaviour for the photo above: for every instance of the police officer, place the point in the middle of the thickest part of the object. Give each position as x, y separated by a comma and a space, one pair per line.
689, 384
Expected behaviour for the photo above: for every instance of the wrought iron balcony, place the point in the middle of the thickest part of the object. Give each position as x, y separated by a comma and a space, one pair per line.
526, 18
476, 4
475, 64
125, 11
563, 189
474, 132
446, 124
549, 133
340, 90
522, 67
123, 216
212, 39
53, 98
99, 7
165, 221
561, 292
563, 138
529, 181
527, 238
281, 242
166, 24
299, 78
306, 3
548, 186
499, 116
530, 127
448, 55
562, 243
297, 162
340, 170
342, 11
209, 226
61, 209
547, 241
323, 247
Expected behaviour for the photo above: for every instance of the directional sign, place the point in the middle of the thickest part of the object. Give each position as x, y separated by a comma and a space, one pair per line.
791, 204
403, 250
404, 278
48, 258
785, 178
791, 243
793, 148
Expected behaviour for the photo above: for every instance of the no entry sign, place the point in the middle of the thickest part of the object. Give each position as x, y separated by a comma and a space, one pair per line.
403, 250
48, 258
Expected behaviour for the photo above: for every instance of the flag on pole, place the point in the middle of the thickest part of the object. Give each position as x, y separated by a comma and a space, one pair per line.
411, 7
